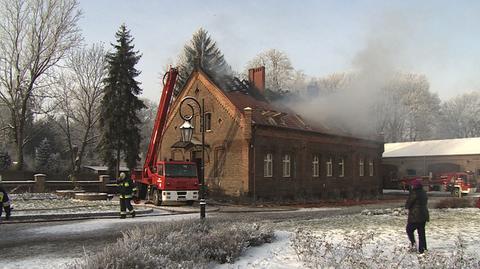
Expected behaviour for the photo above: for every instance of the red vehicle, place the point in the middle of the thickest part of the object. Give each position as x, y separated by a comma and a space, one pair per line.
166, 181
458, 183
406, 182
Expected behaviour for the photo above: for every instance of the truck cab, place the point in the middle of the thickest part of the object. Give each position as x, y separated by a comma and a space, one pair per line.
457, 183
169, 181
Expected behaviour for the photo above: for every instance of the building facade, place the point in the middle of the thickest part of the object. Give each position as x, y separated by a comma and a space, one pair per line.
428, 158
256, 149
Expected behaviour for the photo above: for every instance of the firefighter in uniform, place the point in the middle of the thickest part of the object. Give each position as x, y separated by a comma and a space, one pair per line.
126, 190
4, 203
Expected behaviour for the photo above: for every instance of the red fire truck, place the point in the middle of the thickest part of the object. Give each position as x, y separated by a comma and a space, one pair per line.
458, 183
166, 181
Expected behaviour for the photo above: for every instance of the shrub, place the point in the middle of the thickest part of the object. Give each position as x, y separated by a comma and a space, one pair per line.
361, 250
181, 244
454, 203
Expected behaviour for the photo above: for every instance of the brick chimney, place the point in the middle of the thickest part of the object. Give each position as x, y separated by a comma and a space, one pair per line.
256, 76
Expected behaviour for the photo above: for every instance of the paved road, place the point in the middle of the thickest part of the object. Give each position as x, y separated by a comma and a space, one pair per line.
51, 244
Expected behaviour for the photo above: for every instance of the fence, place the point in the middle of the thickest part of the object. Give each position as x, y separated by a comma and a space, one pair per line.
40, 183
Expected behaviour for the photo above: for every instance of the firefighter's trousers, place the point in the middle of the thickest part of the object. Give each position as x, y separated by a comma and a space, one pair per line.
124, 205
6, 206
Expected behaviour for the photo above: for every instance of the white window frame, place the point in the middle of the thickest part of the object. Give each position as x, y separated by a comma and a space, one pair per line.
370, 168
329, 167
361, 167
286, 165
315, 166
268, 165
341, 166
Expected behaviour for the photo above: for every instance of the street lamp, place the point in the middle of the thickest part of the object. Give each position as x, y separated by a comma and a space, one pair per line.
187, 132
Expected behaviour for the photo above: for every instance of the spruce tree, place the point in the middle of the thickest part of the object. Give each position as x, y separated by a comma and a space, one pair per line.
202, 52
42, 155
119, 120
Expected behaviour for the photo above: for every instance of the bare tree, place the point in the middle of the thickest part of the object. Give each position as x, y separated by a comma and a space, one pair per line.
406, 110
34, 36
461, 116
79, 98
279, 72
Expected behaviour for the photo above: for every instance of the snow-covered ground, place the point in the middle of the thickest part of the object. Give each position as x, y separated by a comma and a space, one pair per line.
389, 230
388, 227
48, 203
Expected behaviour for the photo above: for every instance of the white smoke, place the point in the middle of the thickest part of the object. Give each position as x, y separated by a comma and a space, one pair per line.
352, 95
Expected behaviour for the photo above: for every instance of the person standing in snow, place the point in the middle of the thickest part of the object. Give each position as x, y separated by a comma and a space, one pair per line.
4, 203
417, 215
126, 190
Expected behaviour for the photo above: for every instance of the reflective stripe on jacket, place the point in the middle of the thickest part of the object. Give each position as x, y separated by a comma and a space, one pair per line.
126, 188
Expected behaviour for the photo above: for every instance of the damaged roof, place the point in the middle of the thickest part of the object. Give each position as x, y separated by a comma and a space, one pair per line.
243, 94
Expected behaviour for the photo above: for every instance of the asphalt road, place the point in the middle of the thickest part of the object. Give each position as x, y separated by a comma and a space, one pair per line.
51, 244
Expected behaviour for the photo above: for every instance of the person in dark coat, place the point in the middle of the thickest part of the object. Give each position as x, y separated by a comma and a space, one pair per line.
4, 203
126, 190
417, 215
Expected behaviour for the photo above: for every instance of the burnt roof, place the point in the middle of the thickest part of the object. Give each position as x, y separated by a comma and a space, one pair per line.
243, 94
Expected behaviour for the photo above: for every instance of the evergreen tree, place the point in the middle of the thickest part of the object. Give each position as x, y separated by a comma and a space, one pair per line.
201, 52
120, 105
5, 160
42, 155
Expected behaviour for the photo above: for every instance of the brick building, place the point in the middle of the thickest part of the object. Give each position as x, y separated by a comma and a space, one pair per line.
256, 149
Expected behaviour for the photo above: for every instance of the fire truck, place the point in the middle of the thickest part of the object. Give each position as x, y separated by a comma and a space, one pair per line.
160, 180
457, 183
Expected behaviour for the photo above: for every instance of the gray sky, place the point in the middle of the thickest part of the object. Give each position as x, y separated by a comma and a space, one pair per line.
440, 39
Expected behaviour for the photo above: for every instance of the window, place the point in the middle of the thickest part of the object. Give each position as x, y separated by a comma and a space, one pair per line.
361, 167
341, 167
180, 170
208, 121
219, 160
370, 168
315, 166
286, 165
268, 165
329, 167
411, 172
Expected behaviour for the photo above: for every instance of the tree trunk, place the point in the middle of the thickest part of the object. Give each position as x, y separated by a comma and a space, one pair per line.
117, 168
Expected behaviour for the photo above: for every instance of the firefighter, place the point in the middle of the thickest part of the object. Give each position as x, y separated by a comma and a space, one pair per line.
4, 203
126, 190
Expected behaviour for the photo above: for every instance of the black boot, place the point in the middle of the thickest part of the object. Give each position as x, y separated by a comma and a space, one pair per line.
133, 214
8, 212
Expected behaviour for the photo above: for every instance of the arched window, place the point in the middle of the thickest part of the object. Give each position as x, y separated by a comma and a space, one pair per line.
329, 167
268, 165
361, 167
315, 166
286, 165
341, 167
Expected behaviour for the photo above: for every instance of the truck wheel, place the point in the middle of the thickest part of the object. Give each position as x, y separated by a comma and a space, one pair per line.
190, 203
157, 197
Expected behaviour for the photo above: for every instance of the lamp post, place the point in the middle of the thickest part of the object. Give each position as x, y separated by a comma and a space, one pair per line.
187, 133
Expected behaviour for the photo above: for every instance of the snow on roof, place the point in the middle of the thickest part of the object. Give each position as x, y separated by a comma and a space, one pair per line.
461, 146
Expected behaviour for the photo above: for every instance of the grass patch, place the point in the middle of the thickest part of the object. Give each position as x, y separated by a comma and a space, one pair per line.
180, 244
